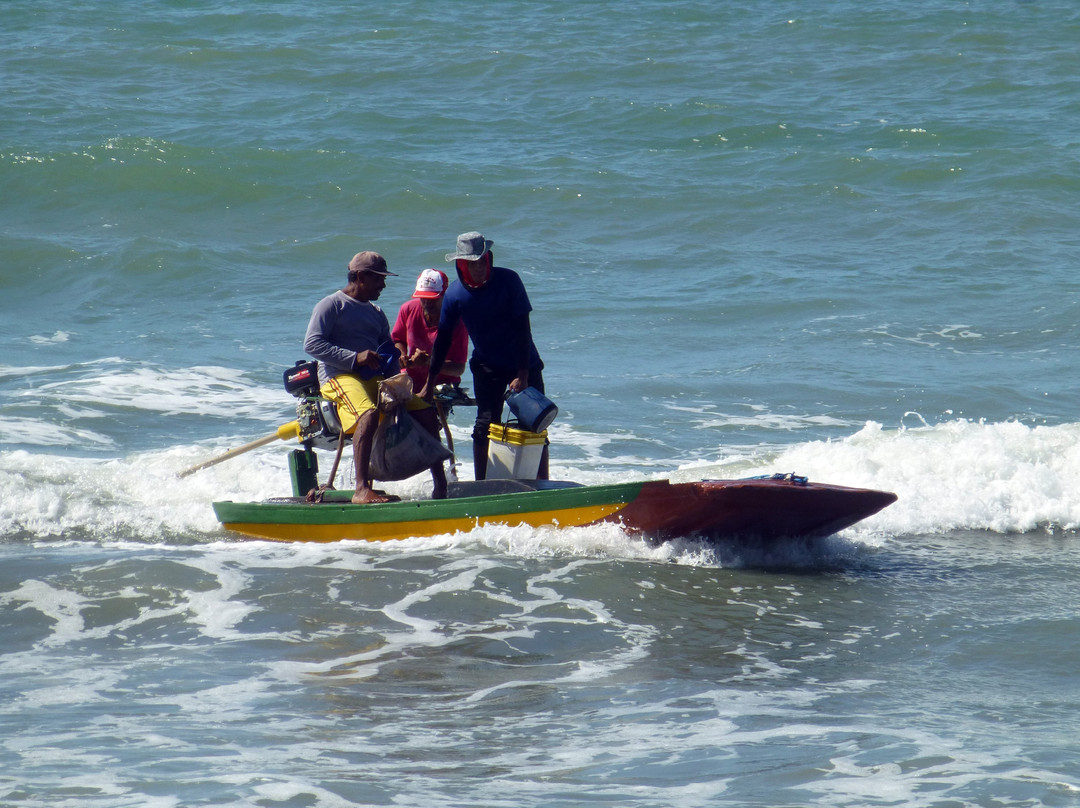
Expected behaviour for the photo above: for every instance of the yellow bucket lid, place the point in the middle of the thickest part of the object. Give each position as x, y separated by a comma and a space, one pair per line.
507, 434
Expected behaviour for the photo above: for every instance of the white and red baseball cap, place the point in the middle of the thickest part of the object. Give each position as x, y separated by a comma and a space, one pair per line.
431, 284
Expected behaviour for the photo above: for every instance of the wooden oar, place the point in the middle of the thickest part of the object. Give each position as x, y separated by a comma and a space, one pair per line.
289, 431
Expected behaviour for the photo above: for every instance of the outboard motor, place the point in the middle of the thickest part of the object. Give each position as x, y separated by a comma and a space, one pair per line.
316, 416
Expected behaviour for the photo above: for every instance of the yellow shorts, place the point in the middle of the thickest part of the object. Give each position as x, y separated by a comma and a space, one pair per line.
355, 396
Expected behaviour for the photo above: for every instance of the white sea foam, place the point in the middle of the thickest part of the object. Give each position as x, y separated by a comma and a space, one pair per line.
35, 432
1005, 477
62, 607
537, 605
219, 611
112, 381
55, 337
138, 497
756, 416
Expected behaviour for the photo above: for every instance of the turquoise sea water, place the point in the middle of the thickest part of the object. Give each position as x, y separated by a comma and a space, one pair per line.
832, 239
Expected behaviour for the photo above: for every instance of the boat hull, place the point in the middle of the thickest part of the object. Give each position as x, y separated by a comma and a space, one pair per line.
763, 509
760, 509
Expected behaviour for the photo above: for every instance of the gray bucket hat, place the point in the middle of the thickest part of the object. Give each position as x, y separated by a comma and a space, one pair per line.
470, 247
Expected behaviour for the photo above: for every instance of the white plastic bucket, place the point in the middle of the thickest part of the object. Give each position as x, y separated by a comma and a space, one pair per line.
514, 454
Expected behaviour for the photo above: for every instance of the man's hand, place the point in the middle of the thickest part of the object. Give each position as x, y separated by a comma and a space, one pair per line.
368, 359
520, 382
419, 359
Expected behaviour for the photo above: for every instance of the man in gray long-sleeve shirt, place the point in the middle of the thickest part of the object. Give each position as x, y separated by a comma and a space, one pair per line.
350, 336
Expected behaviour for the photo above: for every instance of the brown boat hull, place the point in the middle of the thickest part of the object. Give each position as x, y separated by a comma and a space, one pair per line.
762, 509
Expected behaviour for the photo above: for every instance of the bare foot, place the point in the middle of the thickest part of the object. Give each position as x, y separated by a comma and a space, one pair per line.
368, 497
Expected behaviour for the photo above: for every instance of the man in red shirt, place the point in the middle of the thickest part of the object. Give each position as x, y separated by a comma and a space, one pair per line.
415, 329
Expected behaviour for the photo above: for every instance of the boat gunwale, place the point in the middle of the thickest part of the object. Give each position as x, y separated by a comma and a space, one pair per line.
483, 506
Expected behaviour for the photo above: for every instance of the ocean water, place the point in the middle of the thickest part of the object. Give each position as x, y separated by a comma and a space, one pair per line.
835, 239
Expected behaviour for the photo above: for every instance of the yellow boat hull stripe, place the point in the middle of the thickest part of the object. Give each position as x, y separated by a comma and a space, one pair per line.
388, 531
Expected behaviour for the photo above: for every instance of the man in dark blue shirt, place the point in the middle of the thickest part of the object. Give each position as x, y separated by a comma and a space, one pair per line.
493, 304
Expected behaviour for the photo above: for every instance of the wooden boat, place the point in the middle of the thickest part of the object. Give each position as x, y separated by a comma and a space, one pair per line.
761, 509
